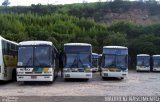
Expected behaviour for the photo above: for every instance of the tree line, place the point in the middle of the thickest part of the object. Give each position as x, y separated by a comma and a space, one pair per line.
62, 29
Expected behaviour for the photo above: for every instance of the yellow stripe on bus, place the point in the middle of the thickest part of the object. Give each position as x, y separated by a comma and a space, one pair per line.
45, 69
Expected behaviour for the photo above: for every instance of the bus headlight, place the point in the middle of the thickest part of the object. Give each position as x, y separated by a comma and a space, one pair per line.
88, 70
20, 72
124, 70
48, 70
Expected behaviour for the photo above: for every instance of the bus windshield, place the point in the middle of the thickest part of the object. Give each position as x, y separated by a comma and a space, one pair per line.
84, 60
71, 60
156, 61
42, 56
143, 61
122, 61
77, 60
110, 61
95, 62
25, 56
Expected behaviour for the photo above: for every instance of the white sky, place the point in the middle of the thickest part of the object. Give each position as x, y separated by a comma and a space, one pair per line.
44, 2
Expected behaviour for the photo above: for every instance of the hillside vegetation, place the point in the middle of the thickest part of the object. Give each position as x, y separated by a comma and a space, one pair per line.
87, 23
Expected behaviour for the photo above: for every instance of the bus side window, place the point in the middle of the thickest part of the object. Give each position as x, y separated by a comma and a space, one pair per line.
52, 56
5, 47
12, 49
8, 49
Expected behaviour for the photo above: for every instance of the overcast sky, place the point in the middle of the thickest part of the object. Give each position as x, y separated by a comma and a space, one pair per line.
29, 2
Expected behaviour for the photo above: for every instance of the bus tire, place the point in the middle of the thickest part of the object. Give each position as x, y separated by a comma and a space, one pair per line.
20, 82
65, 79
103, 78
86, 80
54, 76
14, 75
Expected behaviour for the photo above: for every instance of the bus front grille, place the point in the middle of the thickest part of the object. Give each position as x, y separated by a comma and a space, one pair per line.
77, 70
33, 72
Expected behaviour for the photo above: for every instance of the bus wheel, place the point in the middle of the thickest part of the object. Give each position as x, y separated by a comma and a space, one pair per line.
20, 82
121, 78
86, 79
54, 77
103, 78
14, 75
49, 82
65, 79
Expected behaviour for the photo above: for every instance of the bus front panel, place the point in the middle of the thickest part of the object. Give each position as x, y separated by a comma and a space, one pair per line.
143, 63
156, 63
114, 62
35, 74
35, 63
77, 64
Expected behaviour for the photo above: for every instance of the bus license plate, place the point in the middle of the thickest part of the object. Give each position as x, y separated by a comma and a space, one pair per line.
33, 77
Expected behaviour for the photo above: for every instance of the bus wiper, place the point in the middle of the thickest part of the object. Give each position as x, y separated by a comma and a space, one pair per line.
27, 62
81, 63
74, 63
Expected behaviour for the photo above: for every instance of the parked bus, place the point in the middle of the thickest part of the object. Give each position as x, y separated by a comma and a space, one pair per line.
156, 62
37, 61
143, 62
8, 59
77, 60
114, 62
95, 62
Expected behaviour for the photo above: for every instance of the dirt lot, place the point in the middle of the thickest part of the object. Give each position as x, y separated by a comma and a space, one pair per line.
137, 84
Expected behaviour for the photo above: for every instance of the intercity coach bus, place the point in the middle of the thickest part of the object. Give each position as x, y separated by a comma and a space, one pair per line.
77, 60
8, 59
95, 62
37, 61
114, 62
156, 62
143, 62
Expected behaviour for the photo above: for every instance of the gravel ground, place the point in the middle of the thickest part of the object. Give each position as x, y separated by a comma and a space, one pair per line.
136, 84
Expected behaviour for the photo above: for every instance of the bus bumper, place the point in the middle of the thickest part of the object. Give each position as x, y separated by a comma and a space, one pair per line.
114, 74
156, 69
143, 69
82, 75
35, 78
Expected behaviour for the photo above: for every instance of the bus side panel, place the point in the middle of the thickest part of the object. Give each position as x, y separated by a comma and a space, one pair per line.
9, 59
1, 62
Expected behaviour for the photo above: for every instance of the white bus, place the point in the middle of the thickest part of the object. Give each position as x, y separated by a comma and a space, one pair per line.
114, 62
8, 59
156, 62
95, 62
143, 62
77, 60
37, 61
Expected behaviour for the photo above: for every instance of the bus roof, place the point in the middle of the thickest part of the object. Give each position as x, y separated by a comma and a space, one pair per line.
117, 47
36, 43
143, 55
156, 55
1, 38
77, 44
